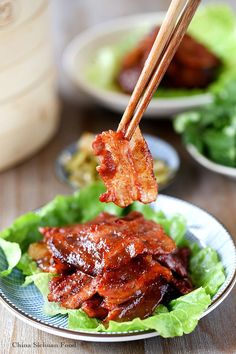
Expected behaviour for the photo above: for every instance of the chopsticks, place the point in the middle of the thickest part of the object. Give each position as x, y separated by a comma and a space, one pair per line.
176, 22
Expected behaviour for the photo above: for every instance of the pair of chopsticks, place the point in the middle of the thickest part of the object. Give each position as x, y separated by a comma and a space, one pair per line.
172, 31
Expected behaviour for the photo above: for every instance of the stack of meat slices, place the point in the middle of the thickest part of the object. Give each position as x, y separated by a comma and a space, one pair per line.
193, 65
113, 268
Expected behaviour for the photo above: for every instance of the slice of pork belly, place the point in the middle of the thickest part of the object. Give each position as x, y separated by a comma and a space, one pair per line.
72, 290
142, 305
131, 280
126, 168
96, 247
94, 307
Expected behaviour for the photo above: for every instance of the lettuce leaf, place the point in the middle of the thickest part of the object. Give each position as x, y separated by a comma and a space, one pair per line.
179, 317
27, 265
41, 281
79, 207
206, 269
212, 25
89, 199
63, 210
23, 231
212, 129
12, 252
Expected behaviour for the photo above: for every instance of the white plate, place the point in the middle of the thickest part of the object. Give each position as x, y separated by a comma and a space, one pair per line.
83, 48
26, 302
210, 165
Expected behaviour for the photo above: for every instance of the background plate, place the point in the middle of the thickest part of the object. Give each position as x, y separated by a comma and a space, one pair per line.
210, 165
83, 48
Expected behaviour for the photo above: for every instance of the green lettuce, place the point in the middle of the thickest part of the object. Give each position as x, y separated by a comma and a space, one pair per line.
23, 231
179, 317
27, 265
213, 25
12, 252
212, 129
89, 199
108, 60
205, 269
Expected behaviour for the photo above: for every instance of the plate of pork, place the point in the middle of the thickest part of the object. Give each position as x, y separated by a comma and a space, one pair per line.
105, 61
106, 274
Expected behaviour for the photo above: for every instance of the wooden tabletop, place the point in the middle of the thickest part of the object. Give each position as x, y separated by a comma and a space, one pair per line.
33, 183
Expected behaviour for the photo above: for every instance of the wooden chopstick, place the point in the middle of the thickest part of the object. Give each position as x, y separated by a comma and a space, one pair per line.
164, 34
169, 52
135, 112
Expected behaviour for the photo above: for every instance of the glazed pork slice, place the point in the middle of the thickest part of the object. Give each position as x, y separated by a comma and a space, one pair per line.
133, 290
177, 262
142, 305
126, 168
94, 307
72, 290
131, 280
120, 267
96, 247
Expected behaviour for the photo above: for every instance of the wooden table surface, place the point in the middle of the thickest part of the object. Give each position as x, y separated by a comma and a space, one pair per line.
33, 183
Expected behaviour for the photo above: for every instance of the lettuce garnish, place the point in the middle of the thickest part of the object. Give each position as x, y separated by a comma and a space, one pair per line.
212, 129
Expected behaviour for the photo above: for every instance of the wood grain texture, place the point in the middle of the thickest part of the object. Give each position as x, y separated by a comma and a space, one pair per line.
34, 183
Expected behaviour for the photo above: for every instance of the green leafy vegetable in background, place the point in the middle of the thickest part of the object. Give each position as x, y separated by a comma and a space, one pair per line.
213, 25
179, 317
212, 129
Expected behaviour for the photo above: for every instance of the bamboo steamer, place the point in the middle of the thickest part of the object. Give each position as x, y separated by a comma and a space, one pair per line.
23, 27
28, 100
17, 78
15, 13
32, 119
